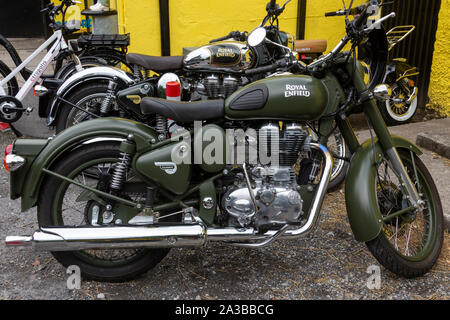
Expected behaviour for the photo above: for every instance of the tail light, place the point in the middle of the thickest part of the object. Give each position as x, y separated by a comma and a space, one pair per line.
11, 161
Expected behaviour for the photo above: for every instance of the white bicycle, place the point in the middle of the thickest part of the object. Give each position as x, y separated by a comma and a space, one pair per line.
11, 97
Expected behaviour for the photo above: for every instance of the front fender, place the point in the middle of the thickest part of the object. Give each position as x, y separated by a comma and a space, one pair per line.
360, 189
105, 128
90, 74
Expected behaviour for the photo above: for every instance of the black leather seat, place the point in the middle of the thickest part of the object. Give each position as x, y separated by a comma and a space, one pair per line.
156, 63
184, 111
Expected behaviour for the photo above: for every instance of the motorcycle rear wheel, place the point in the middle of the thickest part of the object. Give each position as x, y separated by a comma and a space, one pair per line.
57, 207
89, 97
397, 113
409, 244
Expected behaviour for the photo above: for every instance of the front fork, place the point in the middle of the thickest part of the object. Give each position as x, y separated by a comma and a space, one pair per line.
384, 137
373, 114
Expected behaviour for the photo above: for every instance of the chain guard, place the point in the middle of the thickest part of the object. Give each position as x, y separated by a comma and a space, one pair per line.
11, 109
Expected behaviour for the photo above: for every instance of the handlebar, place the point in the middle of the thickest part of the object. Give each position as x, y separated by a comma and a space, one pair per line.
240, 36
269, 68
355, 31
53, 10
353, 12
272, 4
335, 13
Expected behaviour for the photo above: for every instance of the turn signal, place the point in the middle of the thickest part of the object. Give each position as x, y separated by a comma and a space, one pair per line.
11, 161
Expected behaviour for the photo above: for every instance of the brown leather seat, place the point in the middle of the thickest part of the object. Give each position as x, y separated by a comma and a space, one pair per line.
156, 63
310, 46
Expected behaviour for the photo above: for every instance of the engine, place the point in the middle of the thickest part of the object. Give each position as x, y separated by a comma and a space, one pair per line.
214, 86
274, 187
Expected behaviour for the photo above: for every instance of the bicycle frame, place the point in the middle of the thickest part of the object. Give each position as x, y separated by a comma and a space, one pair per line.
58, 44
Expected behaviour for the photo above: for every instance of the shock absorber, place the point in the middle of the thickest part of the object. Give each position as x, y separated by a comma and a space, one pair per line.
110, 96
128, 149
161, 126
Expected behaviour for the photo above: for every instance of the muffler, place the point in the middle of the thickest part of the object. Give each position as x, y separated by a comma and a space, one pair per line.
82, 238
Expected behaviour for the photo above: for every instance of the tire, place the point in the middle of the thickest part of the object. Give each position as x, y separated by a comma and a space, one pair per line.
389, 255
66, 112
397, 114
12, 86
49, 213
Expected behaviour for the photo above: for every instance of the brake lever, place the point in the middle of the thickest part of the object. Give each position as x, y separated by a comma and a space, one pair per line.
377, 23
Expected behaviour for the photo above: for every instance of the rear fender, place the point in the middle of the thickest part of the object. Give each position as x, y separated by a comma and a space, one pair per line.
104, 129
81, 78
360, 192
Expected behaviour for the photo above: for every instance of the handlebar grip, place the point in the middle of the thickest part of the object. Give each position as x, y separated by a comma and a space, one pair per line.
219, 39
261, 69
331, 14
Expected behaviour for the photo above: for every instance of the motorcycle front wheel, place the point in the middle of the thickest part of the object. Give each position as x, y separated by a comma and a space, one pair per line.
410, 243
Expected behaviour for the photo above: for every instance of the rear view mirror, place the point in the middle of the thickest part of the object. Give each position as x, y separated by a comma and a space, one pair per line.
256, 37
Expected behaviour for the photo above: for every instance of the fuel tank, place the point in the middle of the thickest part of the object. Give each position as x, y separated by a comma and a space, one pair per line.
290, 97
226, 54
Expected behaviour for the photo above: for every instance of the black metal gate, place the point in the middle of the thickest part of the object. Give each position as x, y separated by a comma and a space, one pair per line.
419, 46
21, 19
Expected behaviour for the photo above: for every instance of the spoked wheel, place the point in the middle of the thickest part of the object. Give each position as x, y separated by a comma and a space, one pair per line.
88, 98
338, 148
11, 87
396, 110
68, 205
410, 241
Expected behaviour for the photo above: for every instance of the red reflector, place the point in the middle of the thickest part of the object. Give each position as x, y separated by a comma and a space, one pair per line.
8, 151
12, 243
303, 56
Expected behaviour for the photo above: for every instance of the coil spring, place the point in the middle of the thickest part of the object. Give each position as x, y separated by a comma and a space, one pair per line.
161, 124
137, 72
120, 172
110, 95
106, 103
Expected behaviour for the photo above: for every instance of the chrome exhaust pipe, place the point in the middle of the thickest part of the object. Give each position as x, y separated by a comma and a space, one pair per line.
82, 238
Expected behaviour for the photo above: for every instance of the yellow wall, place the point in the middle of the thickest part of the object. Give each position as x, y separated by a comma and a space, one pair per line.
193, 22
439, 90
318, 26
140, 18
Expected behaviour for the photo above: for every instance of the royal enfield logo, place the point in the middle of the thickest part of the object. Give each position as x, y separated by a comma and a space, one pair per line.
168, 167
225, 52
296, 90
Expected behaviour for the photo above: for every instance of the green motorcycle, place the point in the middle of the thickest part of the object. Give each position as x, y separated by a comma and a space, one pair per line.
114, 195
